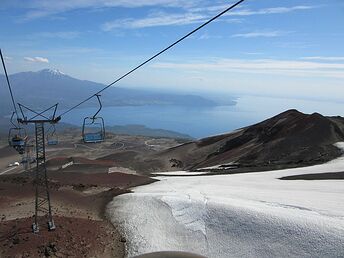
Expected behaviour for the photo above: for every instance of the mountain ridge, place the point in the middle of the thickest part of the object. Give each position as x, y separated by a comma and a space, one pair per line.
289, 139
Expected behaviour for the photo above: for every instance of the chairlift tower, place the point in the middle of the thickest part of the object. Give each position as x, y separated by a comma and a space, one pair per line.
42, 195
27, 157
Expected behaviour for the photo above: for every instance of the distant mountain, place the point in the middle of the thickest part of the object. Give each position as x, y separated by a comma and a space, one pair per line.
47, 87
289, 139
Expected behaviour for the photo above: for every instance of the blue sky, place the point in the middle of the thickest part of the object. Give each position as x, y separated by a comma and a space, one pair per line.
276, 48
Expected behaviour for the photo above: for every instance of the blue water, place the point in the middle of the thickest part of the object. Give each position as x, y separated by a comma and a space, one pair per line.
196, 122
201, 122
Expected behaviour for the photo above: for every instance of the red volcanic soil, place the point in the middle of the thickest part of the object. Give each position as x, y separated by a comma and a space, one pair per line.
7, 151
73, 237
118, 180
79, 164
78, 203
58, 161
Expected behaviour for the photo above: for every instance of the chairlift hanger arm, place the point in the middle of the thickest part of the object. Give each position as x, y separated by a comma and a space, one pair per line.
100, 106
11, 120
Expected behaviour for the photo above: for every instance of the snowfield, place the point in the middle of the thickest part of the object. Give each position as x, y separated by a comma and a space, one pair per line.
241, 215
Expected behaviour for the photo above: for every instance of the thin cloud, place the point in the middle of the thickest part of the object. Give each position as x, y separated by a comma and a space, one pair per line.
58, 34
262, 66
295, 45
213, 8
197, 15
247, 12
44, 8
208, 36
274, 10
234, 20
256, 34
253, 53
161, 19
324, 58
36, 59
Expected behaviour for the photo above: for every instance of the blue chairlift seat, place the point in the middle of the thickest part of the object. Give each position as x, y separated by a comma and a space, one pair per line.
17, 142
52, 142
93, 137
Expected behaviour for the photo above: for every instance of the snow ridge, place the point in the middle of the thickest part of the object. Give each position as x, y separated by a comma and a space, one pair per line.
241, 215
189, 210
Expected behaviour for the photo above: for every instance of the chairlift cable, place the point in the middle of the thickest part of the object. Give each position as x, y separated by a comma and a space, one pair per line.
156, 55
9, 85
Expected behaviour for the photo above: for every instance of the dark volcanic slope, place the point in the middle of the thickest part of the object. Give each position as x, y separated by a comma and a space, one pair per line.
286, 140
321, 176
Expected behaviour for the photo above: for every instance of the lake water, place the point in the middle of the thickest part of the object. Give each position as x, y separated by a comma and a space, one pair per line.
201, 122
196, 122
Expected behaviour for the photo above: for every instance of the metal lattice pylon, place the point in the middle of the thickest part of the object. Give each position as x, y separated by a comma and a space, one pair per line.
42, 195
42, 200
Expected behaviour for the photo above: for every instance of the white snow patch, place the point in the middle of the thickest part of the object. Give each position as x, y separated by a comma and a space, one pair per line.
241, 215
56, 72
53, 71
179, 173
220, 166
339, 145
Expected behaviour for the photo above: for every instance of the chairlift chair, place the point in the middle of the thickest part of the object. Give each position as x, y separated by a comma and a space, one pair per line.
17, 137
52, 137
93, 129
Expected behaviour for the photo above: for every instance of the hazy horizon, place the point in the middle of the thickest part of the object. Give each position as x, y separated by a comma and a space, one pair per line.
246, 52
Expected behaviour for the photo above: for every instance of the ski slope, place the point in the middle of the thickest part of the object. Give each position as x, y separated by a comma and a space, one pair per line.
241, 215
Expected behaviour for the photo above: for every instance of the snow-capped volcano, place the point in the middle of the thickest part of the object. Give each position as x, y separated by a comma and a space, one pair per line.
51, 71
